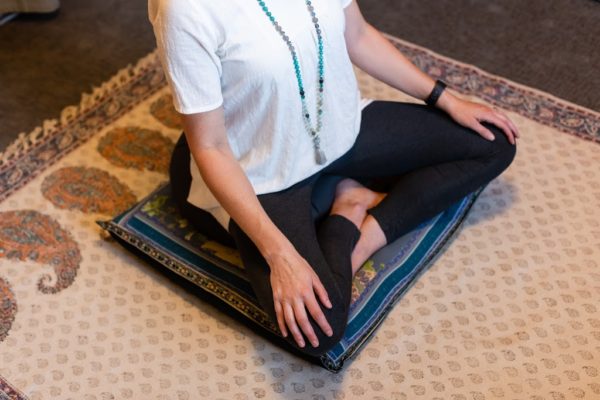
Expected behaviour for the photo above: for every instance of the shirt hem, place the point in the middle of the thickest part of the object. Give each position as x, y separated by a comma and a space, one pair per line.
199, 109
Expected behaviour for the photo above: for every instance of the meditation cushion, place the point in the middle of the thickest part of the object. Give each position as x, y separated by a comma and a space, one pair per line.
154, 230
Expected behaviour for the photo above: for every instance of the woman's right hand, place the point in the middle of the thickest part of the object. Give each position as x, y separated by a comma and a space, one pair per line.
296, 287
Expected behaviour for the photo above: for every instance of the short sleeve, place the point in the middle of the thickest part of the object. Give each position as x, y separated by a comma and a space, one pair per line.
187, 47
346, 3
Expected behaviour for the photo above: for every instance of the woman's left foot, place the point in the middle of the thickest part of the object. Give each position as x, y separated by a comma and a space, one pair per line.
352, 200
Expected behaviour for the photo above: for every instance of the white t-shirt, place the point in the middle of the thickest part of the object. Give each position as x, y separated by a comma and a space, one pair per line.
229, 53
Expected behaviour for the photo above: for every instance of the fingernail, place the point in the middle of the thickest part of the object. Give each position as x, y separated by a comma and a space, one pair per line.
301, 343
329, 305
315, 343
329, 333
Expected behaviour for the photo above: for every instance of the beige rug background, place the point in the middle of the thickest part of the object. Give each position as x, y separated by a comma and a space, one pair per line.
509, 310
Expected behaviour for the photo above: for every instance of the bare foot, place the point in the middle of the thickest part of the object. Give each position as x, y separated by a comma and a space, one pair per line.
352, 200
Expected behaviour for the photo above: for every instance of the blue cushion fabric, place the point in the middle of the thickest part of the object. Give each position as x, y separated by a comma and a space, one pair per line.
154, 228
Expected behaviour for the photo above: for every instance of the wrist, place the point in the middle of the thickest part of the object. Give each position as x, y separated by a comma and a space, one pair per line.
271, 242
447, 101
440, 97
438, 88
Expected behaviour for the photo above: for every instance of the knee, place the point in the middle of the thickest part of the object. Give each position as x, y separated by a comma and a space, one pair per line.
501, 152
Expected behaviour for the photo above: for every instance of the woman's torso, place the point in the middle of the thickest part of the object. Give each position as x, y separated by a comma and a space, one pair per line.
262, 106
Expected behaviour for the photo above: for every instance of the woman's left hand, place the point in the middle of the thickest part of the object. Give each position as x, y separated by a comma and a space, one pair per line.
471, 115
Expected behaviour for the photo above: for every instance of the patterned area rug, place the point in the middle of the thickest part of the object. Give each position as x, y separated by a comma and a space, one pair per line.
509, 310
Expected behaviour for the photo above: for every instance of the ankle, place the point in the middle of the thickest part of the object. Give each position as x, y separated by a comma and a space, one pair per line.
372, 238
351, 210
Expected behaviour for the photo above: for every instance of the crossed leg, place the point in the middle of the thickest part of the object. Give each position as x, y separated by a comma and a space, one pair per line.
426, 161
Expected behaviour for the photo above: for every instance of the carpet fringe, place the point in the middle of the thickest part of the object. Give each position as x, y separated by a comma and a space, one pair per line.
25, 141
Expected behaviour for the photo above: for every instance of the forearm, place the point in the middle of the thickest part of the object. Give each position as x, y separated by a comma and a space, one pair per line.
229, 184
376, 55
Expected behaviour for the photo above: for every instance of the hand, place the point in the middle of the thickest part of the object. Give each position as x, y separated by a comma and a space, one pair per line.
294, 285
470, 115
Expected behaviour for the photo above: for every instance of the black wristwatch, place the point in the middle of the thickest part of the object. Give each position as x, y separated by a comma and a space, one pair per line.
435, 94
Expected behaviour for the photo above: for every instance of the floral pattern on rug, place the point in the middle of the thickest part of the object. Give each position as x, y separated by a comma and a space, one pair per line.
163, 110
8, 308
138, 148
90, 190
27, 235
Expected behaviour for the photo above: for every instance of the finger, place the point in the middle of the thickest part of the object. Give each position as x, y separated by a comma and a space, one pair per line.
321, 292
315, 311
483, 131
509, 122
492, 118
513, 127
291, 323
280, 319
304, 323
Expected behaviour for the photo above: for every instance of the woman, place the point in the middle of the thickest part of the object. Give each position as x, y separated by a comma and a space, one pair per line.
282, 157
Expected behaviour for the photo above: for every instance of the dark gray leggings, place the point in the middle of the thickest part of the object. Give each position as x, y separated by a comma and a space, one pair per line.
418, 155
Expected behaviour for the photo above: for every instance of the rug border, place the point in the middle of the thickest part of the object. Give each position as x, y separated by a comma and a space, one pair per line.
514, 84
533, 104
88, 101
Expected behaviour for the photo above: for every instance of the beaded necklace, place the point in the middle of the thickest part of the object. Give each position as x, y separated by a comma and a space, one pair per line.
313, 132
